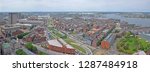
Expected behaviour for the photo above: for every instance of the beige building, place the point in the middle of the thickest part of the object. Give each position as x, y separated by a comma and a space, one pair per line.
7, 30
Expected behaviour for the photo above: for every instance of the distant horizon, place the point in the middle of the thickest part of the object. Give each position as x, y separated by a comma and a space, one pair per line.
74, 11
74, 5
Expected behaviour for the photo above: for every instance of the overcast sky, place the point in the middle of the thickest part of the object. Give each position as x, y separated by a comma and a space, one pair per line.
75, 5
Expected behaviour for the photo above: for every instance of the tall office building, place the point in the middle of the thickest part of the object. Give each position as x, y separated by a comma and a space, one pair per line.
13, 18
0, 48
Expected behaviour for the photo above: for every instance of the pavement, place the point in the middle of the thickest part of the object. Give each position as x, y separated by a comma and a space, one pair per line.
100, 51
86, 47
28, 52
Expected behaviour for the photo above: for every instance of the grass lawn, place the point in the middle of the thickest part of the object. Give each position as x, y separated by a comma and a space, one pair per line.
57, 34
41, 53
130, 44
74, 45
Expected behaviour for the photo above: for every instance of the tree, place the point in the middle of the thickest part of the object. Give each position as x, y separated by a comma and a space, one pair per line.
20, 52
20, 36
31, 47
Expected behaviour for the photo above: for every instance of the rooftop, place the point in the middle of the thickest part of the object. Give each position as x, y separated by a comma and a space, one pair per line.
10, 26
18, 24
140, 53
31, 21
59, 43
55, 42
6, 45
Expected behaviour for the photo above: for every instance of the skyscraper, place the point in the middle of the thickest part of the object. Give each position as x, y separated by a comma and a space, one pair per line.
13, 18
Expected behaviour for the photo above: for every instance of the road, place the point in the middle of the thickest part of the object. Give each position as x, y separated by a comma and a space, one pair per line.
85, 46
100, 51
27, 51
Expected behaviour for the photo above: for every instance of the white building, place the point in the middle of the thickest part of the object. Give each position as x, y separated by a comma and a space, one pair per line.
140, 53
118, 26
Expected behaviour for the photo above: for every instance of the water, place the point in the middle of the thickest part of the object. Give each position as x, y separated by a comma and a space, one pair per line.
144, 22
148, 35
145, 36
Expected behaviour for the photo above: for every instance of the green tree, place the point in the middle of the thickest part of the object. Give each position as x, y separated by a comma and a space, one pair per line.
31, 47
20, 52
20, 36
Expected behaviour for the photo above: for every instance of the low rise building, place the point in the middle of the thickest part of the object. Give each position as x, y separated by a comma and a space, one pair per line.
8, 30
140, 53
108, 41
36, 36
94, 43
60, 46
24, 26
105, 44
34, 22
6, 49
17, 32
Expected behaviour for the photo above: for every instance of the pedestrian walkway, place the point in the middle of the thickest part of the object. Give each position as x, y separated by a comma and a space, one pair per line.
27, 51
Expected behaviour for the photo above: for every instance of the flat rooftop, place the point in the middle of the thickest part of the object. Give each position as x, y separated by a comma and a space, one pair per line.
9, 26
31, 21
55, 42
59, 43
19, 24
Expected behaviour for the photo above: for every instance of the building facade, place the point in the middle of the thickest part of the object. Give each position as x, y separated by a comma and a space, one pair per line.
6, 49
13, 18
57, 45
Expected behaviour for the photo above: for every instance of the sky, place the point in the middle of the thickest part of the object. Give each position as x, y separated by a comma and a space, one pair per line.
74, 5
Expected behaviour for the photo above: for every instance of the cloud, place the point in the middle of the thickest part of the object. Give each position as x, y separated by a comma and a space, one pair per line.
74, 5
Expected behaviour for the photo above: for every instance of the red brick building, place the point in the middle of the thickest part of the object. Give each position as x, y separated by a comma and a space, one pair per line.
35, 39
105, 44
37, 36
94, 43
60, 46
17, 32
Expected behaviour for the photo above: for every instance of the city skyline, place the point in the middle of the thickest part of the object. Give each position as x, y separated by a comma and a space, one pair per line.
74, 5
